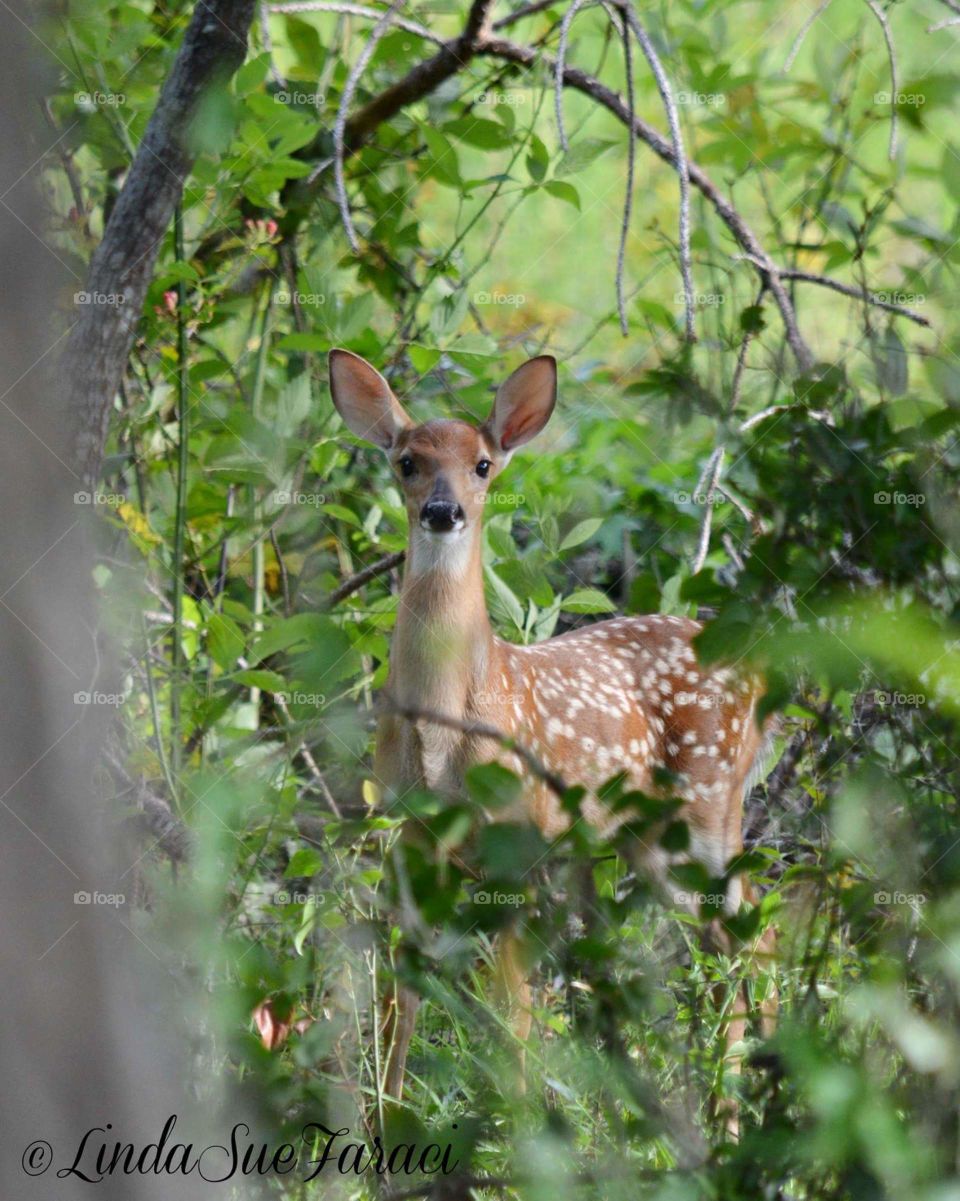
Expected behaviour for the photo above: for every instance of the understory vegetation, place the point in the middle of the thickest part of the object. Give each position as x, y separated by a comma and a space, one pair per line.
790, 473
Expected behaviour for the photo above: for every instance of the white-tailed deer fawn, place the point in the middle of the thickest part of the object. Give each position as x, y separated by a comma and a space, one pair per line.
621, 695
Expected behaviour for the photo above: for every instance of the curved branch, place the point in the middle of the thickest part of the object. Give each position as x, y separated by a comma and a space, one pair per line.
894, 82
527, 56
340, 123
568, 17
422, 79
824, 281
631, 171
359, 10
679, 156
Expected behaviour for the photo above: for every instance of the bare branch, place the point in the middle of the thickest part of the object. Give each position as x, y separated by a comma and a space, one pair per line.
802, 35
424, 78
631, 169
359, 10
357, 581
528, 10
573, 77
679, 157
894, 84
706, 485
824, 281
558, 69
340, 124
307, 756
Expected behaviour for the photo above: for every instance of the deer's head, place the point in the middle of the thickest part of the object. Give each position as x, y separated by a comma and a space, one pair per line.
444, 467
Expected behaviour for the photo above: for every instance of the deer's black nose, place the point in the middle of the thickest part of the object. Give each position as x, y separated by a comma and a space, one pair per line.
441, 516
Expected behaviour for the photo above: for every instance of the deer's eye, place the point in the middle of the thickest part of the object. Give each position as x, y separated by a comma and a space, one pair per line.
483, 468
406, 466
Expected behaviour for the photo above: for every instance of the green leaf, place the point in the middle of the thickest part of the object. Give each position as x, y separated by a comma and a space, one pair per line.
251, 75
267, 681
581, 532
225, 641
305, 862
441, 161
583, 154
563, 191
587, 600
506, 598
890, 364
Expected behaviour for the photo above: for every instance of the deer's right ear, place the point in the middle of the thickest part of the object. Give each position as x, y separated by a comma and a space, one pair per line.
364, 400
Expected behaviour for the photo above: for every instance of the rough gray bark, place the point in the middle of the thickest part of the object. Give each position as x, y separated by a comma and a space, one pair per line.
84, 995
214, 46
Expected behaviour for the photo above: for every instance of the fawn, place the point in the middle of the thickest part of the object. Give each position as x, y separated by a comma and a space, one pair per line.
620, 695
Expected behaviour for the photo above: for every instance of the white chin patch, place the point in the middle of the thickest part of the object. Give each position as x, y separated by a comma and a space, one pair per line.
457, 528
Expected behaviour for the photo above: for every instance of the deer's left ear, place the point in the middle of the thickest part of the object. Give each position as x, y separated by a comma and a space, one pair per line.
524, 403
364, 399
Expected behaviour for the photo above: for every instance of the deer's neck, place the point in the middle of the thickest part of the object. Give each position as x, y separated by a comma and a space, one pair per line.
443, 643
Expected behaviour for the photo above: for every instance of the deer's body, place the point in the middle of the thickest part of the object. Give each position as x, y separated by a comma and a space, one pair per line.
620, 695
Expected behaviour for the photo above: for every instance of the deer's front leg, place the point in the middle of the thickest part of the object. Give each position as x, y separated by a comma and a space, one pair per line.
515, 994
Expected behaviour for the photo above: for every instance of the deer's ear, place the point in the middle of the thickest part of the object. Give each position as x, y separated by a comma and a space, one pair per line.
364, 400
524, 403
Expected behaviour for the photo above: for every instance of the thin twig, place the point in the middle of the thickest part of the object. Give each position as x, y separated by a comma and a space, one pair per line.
680, 158
357, 581
631, 169
307, 755
268, 44
742, 357
558, 70
894, 84
340, 124
528, 10
802, 35
824, 281
359, 10
709, 479
589, 85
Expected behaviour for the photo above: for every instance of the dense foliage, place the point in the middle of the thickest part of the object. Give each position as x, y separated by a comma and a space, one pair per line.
823, 497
